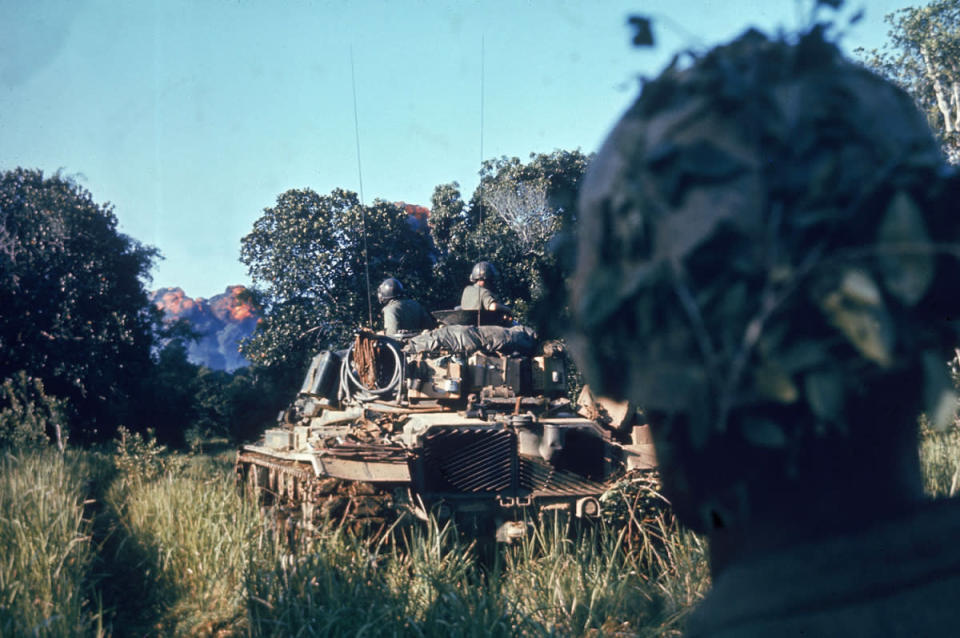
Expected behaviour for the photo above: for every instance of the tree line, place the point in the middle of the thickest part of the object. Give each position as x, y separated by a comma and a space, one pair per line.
83, 352
310, 255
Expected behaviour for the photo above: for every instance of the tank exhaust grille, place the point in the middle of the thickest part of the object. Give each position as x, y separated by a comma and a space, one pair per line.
539, 478
469, 459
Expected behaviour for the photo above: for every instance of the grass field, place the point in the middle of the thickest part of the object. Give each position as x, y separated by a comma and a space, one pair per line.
142, 542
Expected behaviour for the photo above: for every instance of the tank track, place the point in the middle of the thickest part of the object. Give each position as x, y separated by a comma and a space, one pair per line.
301, 501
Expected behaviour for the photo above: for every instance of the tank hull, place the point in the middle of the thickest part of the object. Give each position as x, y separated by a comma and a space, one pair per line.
459, 439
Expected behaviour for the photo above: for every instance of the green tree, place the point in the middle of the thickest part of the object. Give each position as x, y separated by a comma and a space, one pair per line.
167, 394
306, 258
452, 230
238, 404
75, 312
29, 418
923, 57
517, 219
183, 401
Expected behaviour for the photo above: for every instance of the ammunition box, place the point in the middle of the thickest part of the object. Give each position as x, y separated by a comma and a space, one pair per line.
508, 372
549, 375
278, 439
436, 379
300, 435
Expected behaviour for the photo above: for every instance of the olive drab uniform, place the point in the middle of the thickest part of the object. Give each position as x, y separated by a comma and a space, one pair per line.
405, 315
476, 297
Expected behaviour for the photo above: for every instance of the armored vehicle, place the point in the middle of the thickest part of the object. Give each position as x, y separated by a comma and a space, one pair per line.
468, 421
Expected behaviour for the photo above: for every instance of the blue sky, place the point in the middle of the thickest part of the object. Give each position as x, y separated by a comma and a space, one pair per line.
191, 117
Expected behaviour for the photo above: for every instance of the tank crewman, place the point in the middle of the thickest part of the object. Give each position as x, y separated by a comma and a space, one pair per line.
479, 295
767, 265
399, 314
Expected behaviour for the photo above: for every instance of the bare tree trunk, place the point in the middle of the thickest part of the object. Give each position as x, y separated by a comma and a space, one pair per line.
939, 90
524, 207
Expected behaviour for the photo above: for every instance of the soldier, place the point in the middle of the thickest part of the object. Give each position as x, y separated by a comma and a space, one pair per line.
478, 295
401, 315
767, 265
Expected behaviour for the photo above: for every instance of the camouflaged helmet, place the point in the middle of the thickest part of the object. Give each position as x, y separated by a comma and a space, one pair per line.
483, 270
766, 265
388, 289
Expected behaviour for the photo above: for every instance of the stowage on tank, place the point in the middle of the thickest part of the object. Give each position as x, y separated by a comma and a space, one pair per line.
469, 422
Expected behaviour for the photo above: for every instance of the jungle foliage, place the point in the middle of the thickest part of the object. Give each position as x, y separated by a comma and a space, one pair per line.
82, 349
75, 312
306, 255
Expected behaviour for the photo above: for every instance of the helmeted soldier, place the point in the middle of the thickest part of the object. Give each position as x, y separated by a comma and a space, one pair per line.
479, 294
399, 314
767, 266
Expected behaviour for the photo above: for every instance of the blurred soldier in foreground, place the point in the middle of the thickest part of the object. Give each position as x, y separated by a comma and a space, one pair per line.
768, 266
401, 315
478, 295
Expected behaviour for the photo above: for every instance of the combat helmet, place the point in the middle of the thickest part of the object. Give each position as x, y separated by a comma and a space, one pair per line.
388, 289
483, 270
765, 267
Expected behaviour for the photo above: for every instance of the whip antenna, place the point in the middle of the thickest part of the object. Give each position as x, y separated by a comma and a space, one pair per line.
480, 212
363, 208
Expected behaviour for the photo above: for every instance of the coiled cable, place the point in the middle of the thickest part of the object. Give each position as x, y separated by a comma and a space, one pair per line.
351, 387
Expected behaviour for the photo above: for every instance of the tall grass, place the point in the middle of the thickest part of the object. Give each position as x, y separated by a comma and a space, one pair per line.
421, 580
183, 543
46, 553
168, 547
145, 542
940, 460
591, 582
427, 580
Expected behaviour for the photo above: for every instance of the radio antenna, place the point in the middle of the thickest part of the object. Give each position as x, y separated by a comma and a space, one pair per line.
363, 208
480, 188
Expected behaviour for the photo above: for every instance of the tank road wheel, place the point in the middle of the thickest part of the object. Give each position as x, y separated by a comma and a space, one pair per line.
298, 501
359, 508
250, 480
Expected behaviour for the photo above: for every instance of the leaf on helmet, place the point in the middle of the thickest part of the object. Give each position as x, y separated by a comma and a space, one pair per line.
704, 214
804, 355
772, 383
634, 277
763, 433
855, 307
680, 167
643, 31
824, 393
858, 287
811, 217
907, 275
661, 131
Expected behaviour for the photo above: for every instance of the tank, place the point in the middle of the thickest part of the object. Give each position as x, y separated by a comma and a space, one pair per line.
469, 421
